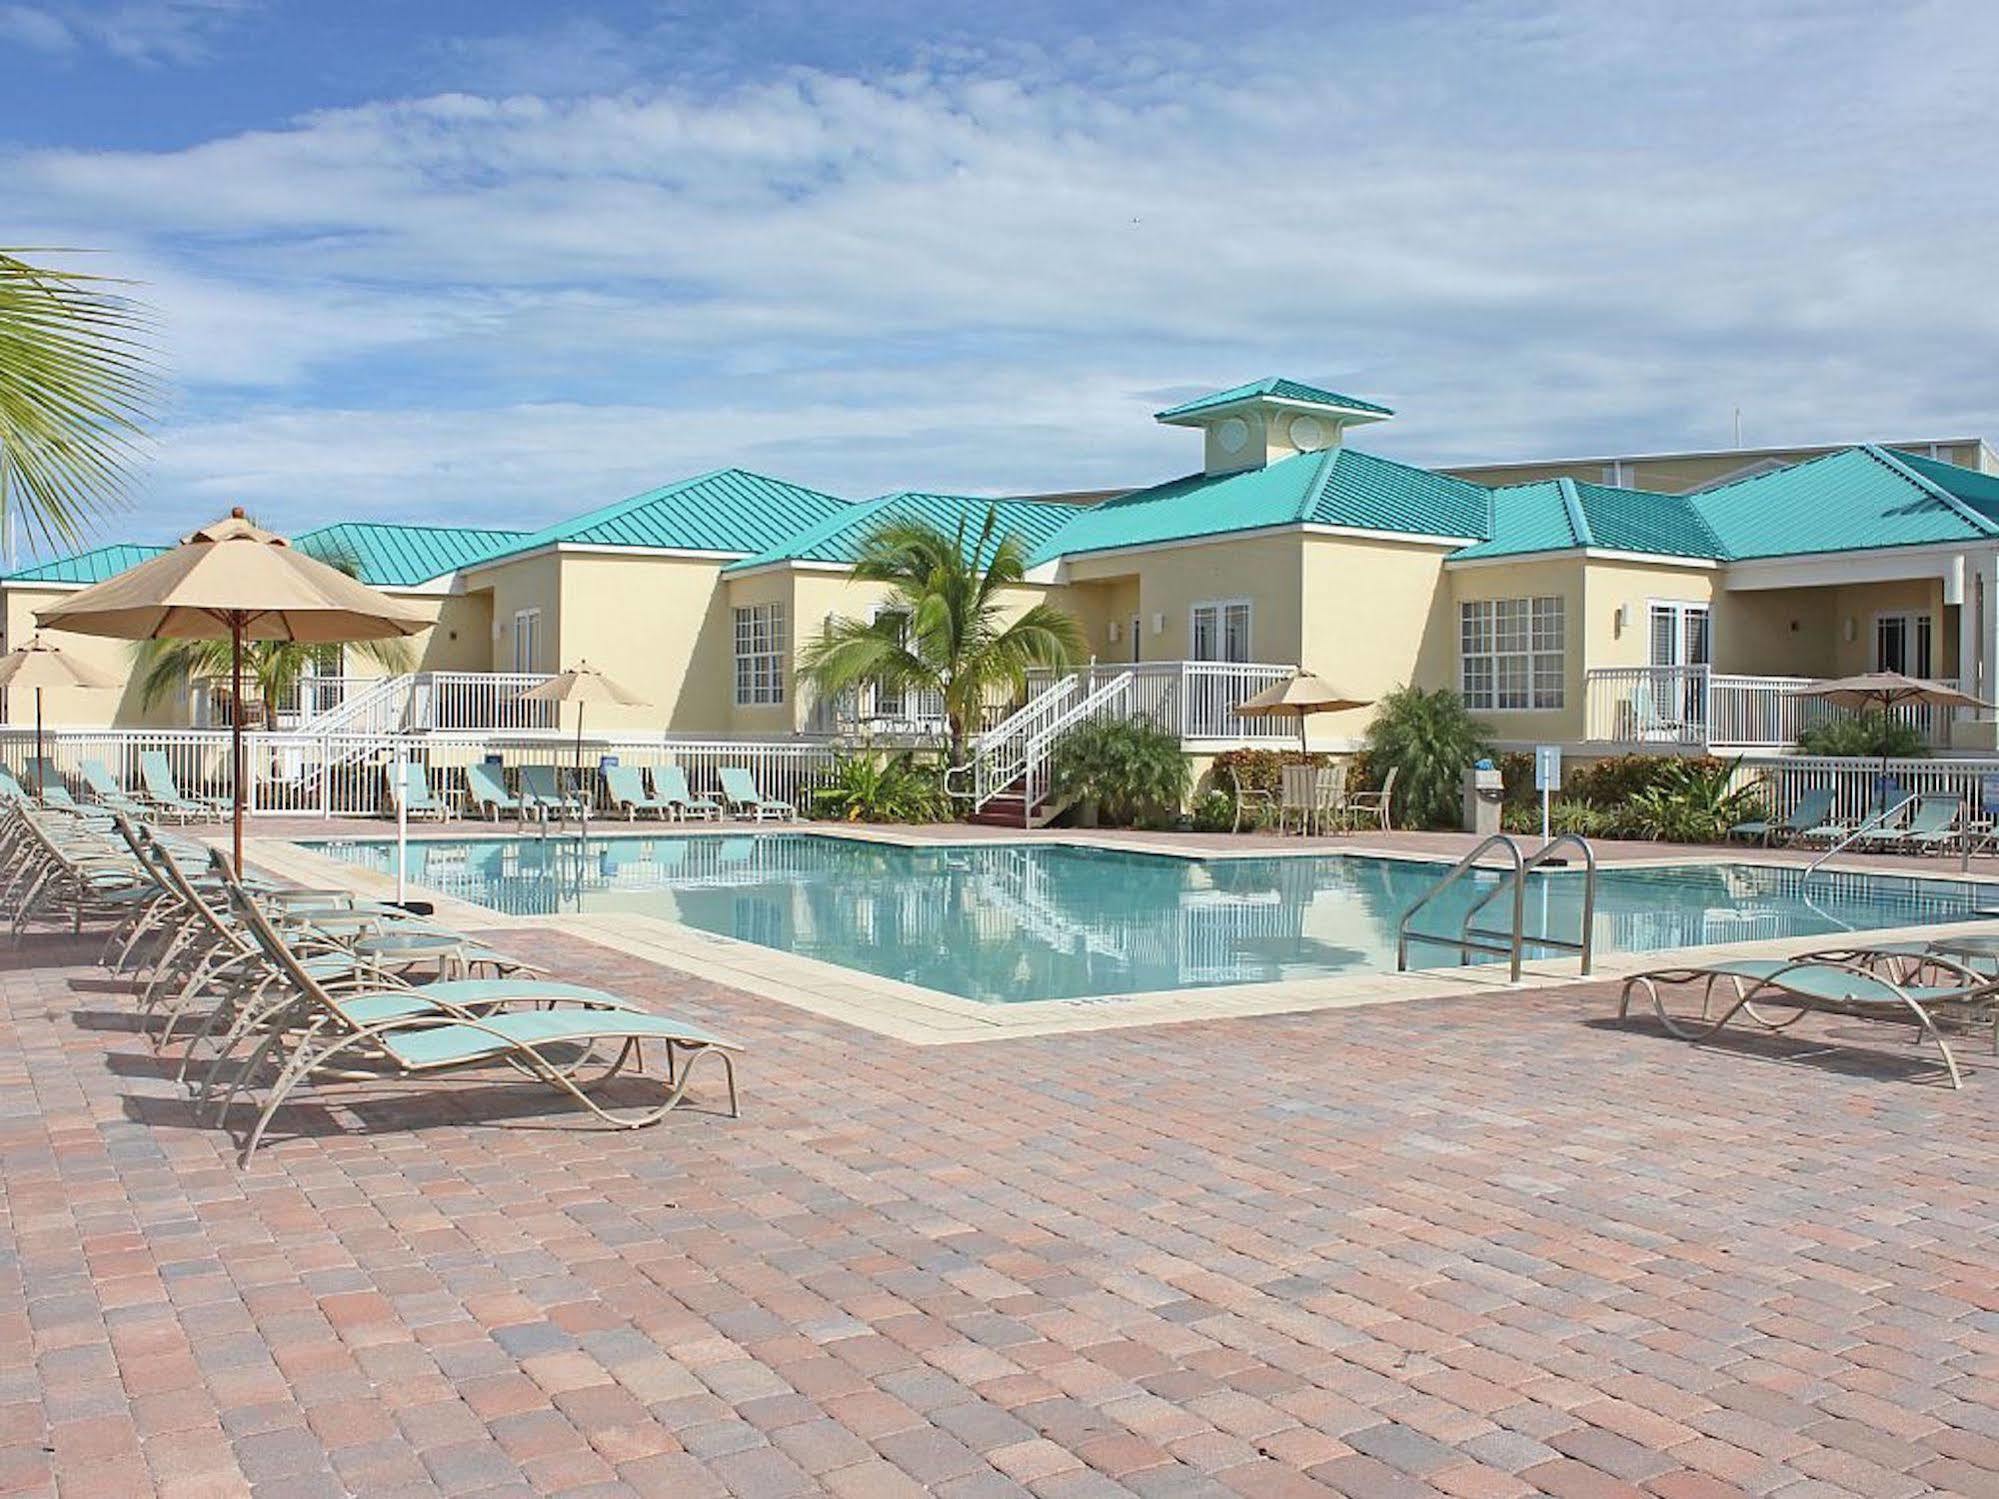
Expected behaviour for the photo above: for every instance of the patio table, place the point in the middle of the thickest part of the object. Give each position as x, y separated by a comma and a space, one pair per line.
404, 950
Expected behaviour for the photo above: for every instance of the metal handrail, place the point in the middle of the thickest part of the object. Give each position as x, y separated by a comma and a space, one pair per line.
1585, 946
1867, 825
1509, 944
1457, 872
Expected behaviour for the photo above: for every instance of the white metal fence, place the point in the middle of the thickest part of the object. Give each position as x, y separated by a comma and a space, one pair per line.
1196, 699
1697, 707
1855, 782
335, 775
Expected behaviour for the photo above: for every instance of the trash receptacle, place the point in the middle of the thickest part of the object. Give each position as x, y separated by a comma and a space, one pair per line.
1485, 791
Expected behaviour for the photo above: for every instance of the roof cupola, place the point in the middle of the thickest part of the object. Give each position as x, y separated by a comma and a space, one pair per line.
1249, 426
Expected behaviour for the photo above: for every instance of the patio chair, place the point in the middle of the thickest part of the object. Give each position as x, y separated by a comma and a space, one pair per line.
536, 1045
1813, 810
164, 794
625, 785
415, 794
1932, 826
1247, 797
1788, 989
669, 784
106, 792
739, 790
1374, 804
486, 791
541, 789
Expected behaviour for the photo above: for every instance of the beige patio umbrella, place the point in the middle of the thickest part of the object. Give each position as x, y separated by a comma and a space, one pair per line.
1887, 690
234, 581
40, 665
1299, 698
582, 685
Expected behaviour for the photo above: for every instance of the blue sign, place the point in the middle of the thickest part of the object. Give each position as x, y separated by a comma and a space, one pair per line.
1988, 795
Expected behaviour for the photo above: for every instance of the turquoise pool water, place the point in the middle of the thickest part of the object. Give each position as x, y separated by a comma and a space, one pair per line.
1009, 923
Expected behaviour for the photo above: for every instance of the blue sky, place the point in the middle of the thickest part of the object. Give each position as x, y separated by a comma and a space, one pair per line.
501, 262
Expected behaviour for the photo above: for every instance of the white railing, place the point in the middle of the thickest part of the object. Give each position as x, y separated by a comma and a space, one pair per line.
1195, 699
1855, 782
337, 775
999, 758
1698, 707
479, 700
1110, 702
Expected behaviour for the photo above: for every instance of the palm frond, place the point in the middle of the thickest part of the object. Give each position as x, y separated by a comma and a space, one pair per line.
78, 383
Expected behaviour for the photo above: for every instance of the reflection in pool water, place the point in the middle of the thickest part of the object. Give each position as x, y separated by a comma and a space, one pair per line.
1018, 922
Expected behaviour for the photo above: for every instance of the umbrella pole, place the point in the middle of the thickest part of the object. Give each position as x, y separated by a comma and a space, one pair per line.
41, 765
236, 737
582, 807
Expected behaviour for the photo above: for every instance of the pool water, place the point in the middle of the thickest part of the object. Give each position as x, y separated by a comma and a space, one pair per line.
1002, 924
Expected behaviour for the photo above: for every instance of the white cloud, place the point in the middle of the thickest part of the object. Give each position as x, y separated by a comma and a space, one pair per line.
35, 28
1530, 226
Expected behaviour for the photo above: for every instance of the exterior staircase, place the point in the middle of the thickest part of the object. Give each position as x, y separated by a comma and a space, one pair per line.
1013, 763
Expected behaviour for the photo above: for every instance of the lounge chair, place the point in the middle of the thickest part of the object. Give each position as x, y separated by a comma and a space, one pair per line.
539, 1045
106, 792
1813, 810
1777, 992
541, 789
1374, 804
41, 777
486, 791
164, 794
416, 796
739, 790
669, 784
625, 785
1931, 826
11, 790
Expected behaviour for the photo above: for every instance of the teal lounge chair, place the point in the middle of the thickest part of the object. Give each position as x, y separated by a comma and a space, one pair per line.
42, 773
739, 789
417, 798
486, 791
11, 790
107, 793
625, 785
541, 789
1813, 810
669, 784
1778, 992
165, 795
537, 1045
1931, 826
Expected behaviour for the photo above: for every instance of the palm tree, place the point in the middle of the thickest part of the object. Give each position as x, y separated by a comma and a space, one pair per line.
76, 386
944, 630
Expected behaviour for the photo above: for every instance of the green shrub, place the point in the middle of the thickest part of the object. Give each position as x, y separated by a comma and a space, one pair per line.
1133, 770
1869, 734
1693, 802
1564, 816
1259, 769
1430, 738
1516, 777
869, 788
1214, 813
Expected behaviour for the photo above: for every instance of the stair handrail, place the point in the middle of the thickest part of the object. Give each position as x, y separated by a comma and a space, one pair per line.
1867, 825
1405, 928
346, 717
999, 754
1585, 946
1034, 774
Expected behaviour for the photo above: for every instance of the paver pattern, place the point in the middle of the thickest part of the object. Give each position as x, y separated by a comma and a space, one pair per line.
1478, 1247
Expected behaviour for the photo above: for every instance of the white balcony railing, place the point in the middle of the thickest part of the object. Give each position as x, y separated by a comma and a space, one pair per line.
1698, 707
1198, 698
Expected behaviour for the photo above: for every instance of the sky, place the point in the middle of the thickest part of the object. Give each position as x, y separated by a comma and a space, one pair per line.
497, 262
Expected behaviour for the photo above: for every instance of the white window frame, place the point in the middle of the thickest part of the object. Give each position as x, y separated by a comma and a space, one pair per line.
885, 702
1517, 671
1682, 610
1919, 640
1220, 609
527, 640
759, 670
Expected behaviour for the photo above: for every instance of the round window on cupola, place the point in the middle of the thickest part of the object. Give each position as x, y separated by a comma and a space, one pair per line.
1232, 434
1307, 433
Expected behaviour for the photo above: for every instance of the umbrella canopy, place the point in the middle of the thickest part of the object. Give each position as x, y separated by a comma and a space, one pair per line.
234, 581
1299, 698
39, 665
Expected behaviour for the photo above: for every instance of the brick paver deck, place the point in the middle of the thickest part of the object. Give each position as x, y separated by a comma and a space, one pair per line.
1476, 1247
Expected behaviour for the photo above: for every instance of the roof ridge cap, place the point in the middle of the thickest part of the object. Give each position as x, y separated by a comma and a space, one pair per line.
1930, 487
1322, 475
1572, 503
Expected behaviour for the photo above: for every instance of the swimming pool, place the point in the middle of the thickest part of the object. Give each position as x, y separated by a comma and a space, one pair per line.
1005, 923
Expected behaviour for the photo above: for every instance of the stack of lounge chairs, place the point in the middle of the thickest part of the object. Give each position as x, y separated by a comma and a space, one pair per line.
659, 791
268, 990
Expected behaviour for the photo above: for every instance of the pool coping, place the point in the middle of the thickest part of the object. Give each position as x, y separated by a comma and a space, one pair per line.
920, 1016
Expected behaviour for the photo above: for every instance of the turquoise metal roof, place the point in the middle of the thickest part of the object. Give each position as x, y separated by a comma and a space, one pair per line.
729, 511
93, 566
1554, 515
1282, 389
839, 536
1527, 518
1851, 500
385, 555
1338, 487
1977, 489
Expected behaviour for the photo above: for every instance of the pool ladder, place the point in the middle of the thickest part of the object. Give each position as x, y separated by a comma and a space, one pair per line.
1512, 943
